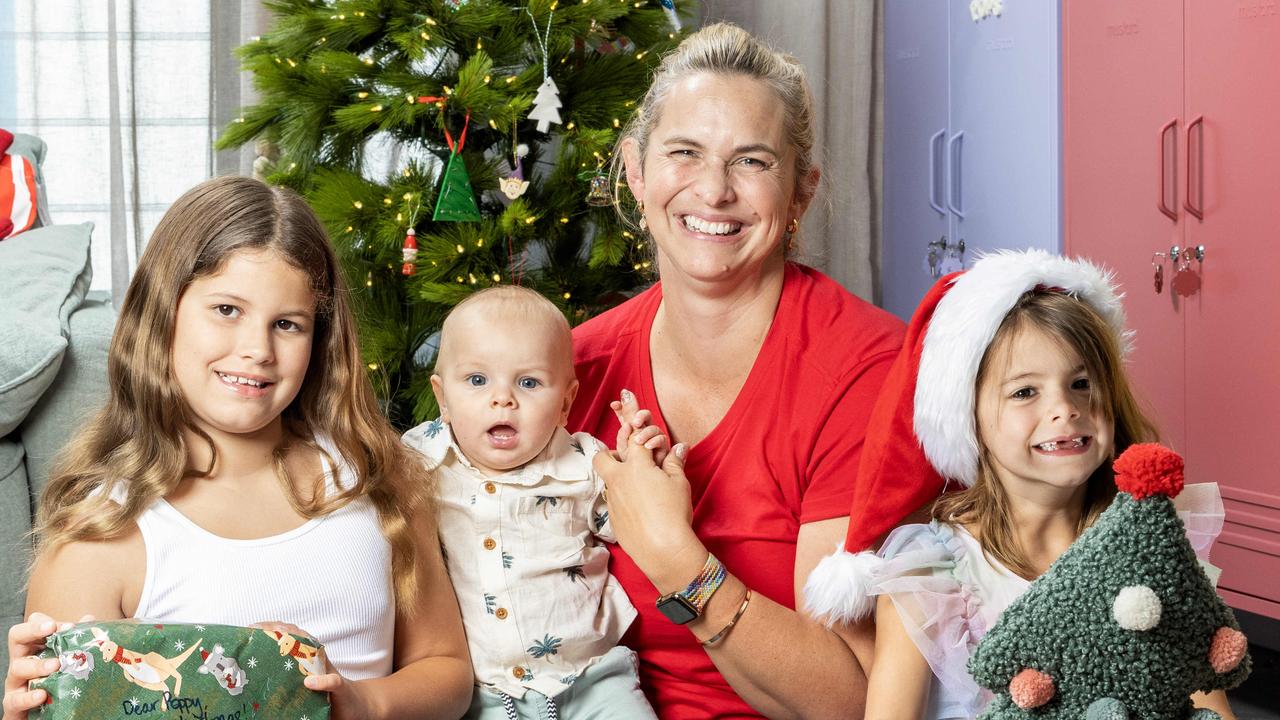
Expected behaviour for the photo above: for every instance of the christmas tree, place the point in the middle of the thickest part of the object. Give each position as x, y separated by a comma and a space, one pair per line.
472, 96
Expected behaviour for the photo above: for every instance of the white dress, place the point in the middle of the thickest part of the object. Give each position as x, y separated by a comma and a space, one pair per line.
949, 594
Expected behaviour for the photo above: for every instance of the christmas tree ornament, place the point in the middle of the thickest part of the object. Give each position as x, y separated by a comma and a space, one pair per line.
598, 194
670, 7
546, 105
514, 184
456, 202
409, 253
455, 4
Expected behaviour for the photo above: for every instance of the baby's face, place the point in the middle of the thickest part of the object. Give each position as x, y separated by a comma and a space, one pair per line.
504, 385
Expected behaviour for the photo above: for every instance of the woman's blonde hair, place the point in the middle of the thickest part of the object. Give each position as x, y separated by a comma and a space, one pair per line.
137, 441
726, 49
1075, 326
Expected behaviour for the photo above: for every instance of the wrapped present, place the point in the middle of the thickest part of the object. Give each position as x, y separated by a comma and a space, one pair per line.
173, 671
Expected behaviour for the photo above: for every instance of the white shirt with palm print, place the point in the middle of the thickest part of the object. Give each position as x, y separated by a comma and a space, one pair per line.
538, 602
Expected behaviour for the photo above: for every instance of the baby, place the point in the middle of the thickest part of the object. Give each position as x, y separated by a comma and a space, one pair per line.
520, 511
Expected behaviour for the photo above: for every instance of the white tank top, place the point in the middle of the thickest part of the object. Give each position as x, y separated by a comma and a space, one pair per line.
330, 577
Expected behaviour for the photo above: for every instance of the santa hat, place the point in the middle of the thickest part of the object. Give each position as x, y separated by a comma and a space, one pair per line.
921, 428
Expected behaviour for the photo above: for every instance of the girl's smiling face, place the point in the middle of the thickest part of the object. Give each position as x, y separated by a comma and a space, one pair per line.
1036, 419
717, 179
242, 342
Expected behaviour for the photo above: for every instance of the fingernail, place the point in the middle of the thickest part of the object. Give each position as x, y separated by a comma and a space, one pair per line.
679, 450
627, 396
52, 664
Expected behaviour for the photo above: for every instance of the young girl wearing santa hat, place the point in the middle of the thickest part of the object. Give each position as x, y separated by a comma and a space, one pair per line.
1012, 384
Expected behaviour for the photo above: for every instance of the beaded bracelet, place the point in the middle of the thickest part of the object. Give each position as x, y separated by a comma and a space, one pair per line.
725, 630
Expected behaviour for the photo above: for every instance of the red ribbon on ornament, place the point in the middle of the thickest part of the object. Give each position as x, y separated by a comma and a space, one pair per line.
448, 137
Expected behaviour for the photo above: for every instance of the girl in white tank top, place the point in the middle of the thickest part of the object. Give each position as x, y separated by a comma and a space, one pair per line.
241, 472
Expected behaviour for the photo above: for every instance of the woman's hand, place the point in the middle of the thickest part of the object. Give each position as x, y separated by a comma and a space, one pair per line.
347, 699
26, 640
651, 513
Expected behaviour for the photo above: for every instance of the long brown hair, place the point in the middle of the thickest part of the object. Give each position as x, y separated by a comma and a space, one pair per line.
1076, 326
137, 440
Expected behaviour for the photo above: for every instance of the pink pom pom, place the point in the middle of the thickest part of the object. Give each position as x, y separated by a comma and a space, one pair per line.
1031, 689
1148, 469
1227, 650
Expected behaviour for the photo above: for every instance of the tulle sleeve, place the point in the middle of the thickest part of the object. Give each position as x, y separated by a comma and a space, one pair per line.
1200, 509
922, 571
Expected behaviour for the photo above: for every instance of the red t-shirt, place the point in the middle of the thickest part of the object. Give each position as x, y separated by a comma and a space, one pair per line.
785, 454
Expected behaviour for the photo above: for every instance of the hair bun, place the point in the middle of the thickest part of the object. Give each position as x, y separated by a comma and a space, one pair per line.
1147, 469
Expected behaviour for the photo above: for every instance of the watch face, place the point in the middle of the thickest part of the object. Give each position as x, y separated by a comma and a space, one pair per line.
677, 609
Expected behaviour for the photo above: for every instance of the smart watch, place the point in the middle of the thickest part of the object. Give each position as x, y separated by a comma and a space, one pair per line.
684, 606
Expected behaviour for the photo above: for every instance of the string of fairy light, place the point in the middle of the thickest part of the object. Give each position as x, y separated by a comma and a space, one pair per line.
381, 102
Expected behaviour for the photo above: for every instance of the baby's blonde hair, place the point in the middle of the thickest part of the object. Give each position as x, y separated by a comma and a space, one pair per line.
518, 301
137, 440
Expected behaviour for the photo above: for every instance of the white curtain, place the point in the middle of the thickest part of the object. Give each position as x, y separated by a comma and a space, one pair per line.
129, 95
840, 44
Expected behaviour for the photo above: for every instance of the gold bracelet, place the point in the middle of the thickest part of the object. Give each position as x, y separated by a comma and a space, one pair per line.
725, 630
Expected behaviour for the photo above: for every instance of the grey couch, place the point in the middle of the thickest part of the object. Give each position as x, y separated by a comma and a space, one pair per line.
54, 336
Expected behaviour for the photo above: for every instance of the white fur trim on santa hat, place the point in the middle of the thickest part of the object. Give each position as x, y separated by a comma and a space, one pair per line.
839, 588
962, 327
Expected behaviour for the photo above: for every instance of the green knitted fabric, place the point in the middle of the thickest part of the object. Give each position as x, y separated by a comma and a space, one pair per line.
128, 669
1066, 625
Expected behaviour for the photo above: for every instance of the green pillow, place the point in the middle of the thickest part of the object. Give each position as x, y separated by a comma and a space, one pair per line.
44, 275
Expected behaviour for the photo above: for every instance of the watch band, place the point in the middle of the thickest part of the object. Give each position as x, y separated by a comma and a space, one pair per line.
685, 606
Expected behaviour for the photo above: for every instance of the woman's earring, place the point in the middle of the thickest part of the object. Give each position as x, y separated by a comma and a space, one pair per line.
789, 235
644, 224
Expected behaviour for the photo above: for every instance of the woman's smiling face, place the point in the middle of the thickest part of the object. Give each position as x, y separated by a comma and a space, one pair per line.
717, 178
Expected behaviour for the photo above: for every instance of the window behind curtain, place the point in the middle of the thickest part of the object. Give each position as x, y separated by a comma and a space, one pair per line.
126, 134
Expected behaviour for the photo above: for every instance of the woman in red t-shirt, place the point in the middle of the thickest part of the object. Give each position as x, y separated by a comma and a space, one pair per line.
762, 371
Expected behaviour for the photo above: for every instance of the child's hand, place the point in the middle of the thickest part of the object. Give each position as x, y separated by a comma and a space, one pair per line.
25, 641
347, 699
636, 426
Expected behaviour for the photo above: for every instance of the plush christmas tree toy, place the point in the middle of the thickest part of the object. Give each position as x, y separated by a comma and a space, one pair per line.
1125, 625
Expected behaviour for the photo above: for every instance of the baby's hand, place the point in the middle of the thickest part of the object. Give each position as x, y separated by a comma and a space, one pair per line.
635, 426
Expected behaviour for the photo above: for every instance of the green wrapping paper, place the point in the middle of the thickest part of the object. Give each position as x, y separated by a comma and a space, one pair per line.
132, 669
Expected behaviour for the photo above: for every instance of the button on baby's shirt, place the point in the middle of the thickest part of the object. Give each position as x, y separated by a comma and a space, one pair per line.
490, 488
489, 544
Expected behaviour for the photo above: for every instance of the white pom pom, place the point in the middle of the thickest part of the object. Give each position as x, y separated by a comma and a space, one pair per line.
1136, 608
522, 150
839, 588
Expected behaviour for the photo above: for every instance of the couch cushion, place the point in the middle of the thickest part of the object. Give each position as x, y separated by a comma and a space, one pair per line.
44, 275
15, 522
76, 394
32, 149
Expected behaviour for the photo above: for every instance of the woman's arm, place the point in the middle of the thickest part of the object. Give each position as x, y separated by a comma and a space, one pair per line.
900, 678
433, 676
783, 663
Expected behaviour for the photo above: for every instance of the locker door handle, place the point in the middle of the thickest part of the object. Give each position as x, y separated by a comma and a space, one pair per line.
934, 175
1198, 208
1164, 176
956, 198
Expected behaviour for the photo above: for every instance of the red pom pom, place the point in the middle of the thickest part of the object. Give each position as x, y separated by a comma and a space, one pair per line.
1148, 469
1227, 649
1031, 689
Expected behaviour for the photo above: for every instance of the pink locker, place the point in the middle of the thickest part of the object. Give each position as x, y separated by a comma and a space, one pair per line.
1171, 139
